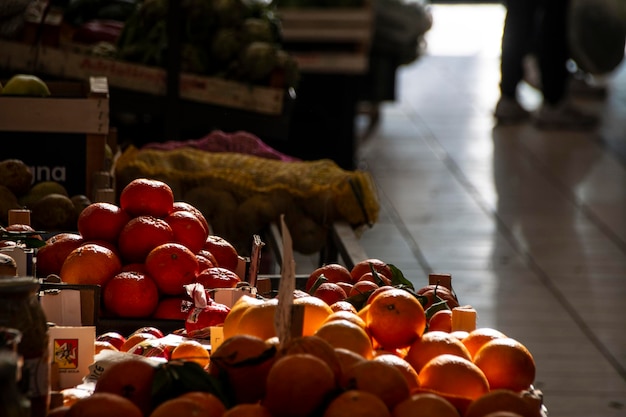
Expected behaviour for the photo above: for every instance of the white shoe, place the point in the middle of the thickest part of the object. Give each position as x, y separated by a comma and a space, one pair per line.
509, 111
564, 116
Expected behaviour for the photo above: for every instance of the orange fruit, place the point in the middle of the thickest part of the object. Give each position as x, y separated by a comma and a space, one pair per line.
172, 266
478, 337
460, 334
231, 322
347, 358
217, 277
453, 375
347, 286
332, 272
395, 319
179, 406
441, 321
298, 385
501, 400
101, 345
315, 312
248, 410
432, 344
346, 315
506, 363
188, 230
224, 252
315, 346
258, 320
362, 287
377, 291
356, 403
330, 292
51, 256
102, 221
213, 405
434, 290
379, 279
130, 295
171, 308
204, 262
147, 197
104, 404
191, 350
379, 378
239, 360
409, 373
130, 377
425, 404
343, 306
348, 335
20, 227
141, 235
135, 339
90, 264
366, 265
134, 267
184, 206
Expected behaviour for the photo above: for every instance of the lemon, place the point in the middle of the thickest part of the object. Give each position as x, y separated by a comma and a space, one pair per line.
25, 85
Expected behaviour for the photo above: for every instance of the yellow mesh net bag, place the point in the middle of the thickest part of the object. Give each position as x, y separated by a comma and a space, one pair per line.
241, 194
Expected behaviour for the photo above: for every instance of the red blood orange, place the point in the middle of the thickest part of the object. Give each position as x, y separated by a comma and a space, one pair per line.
188, 230
141, 235
102, 221
131, 295
147, 197
172, 266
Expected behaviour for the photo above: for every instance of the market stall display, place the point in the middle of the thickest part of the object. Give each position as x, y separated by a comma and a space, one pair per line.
241, 194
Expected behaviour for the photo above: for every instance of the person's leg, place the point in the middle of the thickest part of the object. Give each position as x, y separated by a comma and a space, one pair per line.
517, 39
553, 50
516, 42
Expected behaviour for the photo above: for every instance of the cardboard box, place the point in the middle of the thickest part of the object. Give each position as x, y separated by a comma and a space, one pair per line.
62, 137
71, 64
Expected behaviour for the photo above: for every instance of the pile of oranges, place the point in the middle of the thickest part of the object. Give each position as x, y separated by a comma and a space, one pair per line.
338, 370
387, 358
142, 252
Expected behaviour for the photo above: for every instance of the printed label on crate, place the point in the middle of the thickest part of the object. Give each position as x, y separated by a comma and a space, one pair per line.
55, 157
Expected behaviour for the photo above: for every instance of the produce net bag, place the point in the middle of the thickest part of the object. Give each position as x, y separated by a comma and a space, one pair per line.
241, 194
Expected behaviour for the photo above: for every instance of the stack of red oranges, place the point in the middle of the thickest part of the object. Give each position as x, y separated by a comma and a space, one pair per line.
142, 252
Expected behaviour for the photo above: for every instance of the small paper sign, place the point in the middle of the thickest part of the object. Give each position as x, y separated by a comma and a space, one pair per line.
72, 350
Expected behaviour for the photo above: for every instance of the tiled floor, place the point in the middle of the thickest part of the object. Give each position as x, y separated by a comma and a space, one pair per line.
531, 224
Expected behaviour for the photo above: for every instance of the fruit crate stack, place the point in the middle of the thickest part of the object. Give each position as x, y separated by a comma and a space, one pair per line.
62, 137
330, 39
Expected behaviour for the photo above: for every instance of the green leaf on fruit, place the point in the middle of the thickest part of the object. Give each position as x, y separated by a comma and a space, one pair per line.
174, 378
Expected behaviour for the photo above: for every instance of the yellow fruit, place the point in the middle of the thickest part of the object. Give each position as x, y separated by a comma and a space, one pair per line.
316, 312
231, 323
345, 334
25, 85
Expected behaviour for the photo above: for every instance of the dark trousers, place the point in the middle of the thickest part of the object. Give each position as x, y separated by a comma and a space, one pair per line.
540, 27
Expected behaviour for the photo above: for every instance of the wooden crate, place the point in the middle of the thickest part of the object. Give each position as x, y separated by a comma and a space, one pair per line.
72, 64
50, 134
330, 40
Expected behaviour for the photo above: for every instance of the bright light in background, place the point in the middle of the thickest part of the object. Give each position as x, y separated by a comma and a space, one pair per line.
461, 35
